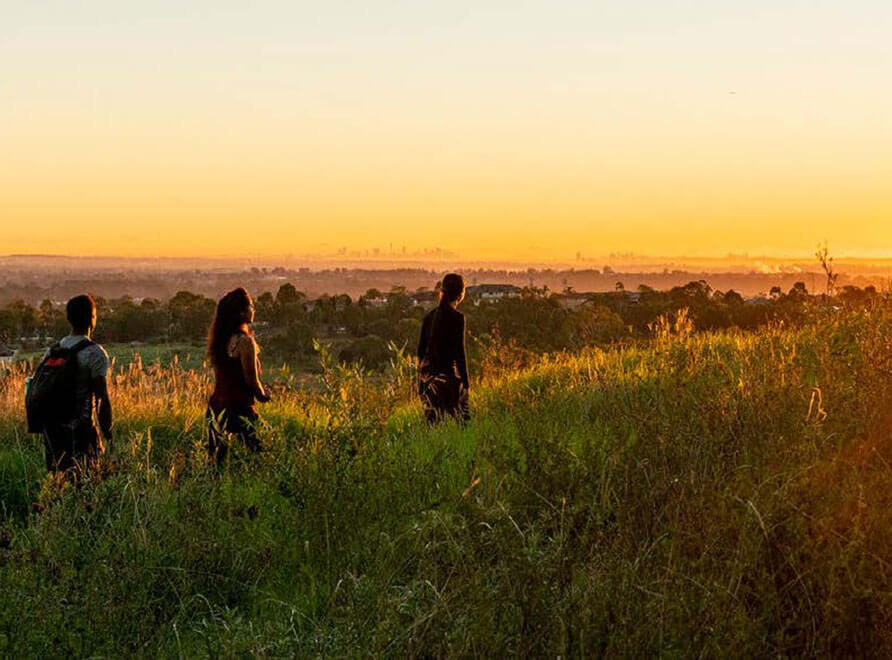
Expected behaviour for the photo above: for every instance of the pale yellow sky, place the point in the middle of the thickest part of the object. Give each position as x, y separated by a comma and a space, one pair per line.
512, 130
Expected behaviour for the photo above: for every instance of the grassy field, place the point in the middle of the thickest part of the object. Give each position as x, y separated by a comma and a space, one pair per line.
187, 355
706, 494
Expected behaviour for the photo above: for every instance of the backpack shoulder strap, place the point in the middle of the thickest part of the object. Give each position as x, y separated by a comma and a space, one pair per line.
55, 349
81, 345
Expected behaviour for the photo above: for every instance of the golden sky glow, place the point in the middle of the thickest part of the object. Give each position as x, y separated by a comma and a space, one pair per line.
491, 129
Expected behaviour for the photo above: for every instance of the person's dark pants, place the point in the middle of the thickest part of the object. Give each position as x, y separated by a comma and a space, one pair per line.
241, 423
67, 447
443, 396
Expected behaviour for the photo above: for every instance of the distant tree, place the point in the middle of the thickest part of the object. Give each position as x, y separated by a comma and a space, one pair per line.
324, 311
407, 332
371, 351
190, 315
342, 301
798, 292
289, 295
853, 295
695, 289
7, 326
128, 322
289, 306
23, 317
398, 306
380, 327
52, 319
265, 305
823, 256
591, 324
296, 342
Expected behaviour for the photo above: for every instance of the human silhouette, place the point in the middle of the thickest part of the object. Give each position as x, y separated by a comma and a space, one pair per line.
443, 365
235, 356
69, 393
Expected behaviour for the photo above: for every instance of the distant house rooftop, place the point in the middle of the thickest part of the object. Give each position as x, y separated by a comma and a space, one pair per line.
573, 299
423, 297
494, 291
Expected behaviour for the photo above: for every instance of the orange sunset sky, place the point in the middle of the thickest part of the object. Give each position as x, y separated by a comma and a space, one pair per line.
490, 129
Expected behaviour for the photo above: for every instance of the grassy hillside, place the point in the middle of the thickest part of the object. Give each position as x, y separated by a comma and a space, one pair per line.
185, 354
704, 495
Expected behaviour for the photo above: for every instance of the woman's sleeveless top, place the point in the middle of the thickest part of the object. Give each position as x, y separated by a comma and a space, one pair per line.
231, 391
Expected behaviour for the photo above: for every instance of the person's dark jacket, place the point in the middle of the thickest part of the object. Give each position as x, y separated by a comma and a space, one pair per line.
441, 349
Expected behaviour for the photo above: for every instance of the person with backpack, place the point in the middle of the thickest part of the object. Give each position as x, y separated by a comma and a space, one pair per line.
235, 356
442, 359
68, 389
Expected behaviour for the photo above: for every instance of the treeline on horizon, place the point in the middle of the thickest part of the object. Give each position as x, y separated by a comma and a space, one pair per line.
33, 284
527, 321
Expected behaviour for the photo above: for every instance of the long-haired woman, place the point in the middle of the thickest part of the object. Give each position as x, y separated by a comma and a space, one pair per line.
235, 356
443, 365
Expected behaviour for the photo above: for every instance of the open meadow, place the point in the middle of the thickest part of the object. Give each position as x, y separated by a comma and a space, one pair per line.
703, 494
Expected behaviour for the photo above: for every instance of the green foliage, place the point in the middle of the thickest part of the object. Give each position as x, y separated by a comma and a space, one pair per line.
536, 320
371, 351
190, 315
295, 341
592, 325
708, 494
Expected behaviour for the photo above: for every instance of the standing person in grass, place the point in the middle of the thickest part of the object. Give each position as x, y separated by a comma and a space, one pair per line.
442, 361
67, 418
235, 356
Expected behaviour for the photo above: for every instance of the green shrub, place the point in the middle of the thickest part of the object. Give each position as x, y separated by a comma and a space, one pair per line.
712, 495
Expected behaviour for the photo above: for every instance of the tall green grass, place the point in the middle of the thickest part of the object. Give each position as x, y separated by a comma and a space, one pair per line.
705, 494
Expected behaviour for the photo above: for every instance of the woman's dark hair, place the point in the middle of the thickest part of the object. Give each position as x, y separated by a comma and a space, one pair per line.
230, 315
453, 289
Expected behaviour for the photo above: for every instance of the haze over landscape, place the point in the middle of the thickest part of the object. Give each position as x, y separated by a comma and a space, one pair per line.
379, 328
502, 131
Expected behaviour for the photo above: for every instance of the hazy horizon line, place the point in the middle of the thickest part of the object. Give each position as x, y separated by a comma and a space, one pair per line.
588, 261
